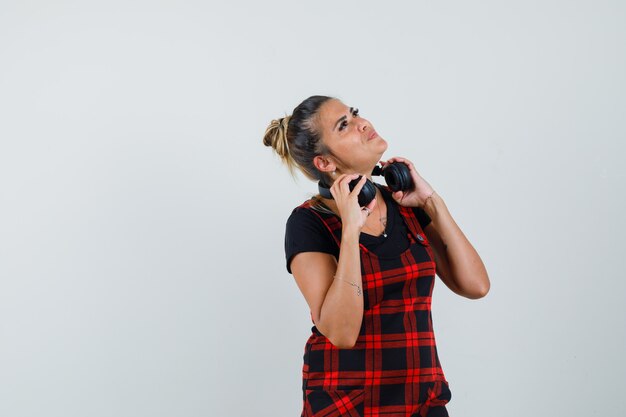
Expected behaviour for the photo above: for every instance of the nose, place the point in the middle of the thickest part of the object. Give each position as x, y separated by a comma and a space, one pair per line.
363, 125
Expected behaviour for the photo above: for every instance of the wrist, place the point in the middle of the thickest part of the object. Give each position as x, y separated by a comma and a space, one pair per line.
427, 199
432, 204
350, 232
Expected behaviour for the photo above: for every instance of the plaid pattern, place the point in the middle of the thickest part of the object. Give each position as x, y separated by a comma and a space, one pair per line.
393, 369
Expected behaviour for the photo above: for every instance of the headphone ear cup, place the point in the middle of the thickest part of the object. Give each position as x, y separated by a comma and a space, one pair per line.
398, 176
367, 193
324, 190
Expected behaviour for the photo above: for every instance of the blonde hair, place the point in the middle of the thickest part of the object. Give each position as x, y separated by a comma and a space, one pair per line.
297, 138
276, 137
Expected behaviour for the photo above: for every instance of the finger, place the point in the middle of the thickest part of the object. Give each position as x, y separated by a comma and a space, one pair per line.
345, 178
369, 209
338, 181
372, 204
401, 159
398, 196
359, 185
341, 186
345, 184
395, 159
334, 188
405, 161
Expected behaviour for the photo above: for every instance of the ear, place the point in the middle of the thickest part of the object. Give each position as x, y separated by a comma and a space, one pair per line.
324, 163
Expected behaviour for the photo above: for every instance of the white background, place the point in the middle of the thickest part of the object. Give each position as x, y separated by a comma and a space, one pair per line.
142, 270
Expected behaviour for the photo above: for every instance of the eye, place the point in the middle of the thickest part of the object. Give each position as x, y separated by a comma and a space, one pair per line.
344, 123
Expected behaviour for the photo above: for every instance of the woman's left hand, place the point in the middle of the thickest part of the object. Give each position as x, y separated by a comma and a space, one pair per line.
421, 191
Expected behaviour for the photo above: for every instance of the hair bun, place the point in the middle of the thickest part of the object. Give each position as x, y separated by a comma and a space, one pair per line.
276, 136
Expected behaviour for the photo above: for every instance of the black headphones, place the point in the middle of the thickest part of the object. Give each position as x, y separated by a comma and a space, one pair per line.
397, 176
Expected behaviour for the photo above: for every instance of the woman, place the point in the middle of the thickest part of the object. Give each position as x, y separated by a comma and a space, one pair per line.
367, 273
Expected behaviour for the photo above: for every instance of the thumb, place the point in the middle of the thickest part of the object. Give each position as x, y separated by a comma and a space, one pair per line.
398, 196
372, 204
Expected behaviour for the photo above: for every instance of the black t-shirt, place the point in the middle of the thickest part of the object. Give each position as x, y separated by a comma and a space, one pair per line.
305, 232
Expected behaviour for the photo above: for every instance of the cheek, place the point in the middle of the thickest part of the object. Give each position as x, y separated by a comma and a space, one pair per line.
345, 152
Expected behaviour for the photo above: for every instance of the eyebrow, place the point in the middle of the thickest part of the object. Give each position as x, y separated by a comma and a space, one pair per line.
342, 118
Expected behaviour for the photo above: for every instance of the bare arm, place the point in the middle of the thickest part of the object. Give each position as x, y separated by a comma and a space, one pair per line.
458, 264
336, 305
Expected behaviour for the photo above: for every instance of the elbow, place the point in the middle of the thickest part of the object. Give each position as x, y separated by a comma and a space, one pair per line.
343, 342
477, 294
478, 291
340, 338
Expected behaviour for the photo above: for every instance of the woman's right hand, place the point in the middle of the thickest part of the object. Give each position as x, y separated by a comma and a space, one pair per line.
352, 215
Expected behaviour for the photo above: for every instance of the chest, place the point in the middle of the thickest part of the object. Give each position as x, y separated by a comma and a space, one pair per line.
400, 280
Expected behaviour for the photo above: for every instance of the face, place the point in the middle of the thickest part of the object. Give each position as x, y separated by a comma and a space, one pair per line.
352, 140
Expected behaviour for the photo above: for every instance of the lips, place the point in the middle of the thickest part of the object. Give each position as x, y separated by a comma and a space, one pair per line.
372, 135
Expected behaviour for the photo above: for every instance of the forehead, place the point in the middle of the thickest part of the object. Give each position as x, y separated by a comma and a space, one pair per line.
331, 111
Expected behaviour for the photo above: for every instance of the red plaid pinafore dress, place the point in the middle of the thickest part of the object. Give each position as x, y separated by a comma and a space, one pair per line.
393, 369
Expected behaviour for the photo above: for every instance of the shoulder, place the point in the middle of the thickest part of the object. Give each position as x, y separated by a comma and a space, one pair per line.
305, 222
302, 215
307, 232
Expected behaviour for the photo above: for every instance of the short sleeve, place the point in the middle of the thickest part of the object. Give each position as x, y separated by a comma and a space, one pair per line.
423, 218
305, 232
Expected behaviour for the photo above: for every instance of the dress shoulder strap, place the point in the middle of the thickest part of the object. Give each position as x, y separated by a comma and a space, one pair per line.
411, 221
330, 221
409, 218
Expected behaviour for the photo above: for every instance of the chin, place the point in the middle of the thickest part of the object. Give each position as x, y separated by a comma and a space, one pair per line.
383, 145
